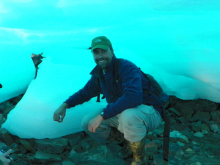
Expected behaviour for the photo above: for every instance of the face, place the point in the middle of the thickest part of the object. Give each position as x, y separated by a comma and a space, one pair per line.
102, 57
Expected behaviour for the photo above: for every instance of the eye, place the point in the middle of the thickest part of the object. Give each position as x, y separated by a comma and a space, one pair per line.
104, 51
94, 51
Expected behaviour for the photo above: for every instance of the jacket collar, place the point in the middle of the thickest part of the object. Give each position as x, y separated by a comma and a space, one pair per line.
97, 70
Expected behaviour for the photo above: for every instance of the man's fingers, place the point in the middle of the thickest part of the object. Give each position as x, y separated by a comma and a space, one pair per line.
61, 118
8, 152
55, 117
91, 129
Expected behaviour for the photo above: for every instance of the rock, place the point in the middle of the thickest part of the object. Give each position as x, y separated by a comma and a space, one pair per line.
172, 121
181, 119
15, 100
26, 144
56, 146
204, 127
173, 148
179, 136
2, 145
74, 139
196, 127
197, 163
190, 151
179, 154
187, 112
204, 160
204, 132
215, 128
67, 163
42, 157
180, 127
201, 116
74, 156
82, 146
5, 108
5, 136
198, 134
216, 116
174, 111
2, 119
114, 148
204, 105
212, 149
5, 105
180, 144
98, 154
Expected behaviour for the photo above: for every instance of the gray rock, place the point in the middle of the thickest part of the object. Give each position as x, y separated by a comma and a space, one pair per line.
67, 163
2, 145
174, 111
204, 105
201, 116
98, 154
181, 119
2, 119
52, 145
212, 149
197, 163
198, 134
215, 116
205, 127
215, 128
82, 146
196, 127
204, 160
179, 154
26, 144
74, 140
5, 136
114, 148
43, 157
177, 135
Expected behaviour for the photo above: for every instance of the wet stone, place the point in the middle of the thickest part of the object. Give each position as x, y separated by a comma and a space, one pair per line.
52, 145
26, 144
43, 157
5, 136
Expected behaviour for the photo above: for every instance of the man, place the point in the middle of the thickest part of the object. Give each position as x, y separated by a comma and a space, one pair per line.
130, 110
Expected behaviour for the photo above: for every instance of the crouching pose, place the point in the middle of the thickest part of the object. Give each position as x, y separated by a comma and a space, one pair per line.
131, 110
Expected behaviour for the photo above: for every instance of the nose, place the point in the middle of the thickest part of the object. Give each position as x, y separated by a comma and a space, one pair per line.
99, 55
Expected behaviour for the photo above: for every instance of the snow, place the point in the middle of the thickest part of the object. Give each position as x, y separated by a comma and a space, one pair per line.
176, 42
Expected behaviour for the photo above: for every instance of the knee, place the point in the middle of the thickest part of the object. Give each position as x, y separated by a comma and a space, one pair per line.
127, 116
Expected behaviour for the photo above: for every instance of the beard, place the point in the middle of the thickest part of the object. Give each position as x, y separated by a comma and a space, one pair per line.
102, 63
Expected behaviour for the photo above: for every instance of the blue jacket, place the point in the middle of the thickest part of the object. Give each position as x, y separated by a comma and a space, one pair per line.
119, 95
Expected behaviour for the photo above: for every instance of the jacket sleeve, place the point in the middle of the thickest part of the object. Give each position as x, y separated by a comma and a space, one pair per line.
132, 91
90, 90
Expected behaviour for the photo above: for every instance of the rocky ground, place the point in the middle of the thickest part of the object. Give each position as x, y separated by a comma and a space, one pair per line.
194, 140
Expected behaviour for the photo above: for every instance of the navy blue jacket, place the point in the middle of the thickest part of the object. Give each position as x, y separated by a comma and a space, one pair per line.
119, 95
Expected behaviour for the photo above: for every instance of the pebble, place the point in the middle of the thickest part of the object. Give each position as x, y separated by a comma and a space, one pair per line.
198, 134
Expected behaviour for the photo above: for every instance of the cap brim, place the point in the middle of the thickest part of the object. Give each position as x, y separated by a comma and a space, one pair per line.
100, 46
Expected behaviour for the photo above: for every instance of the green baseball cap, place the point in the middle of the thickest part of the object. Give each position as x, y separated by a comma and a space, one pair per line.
101, 42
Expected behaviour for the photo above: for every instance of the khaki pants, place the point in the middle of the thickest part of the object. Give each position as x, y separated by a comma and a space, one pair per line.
134, 123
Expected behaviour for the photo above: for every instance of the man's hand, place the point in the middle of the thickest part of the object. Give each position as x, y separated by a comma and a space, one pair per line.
94, 123
3, 158
60, 113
